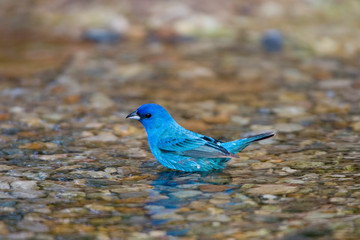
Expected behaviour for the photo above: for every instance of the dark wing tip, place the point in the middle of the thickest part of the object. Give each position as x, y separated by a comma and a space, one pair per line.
262, 136
233, 156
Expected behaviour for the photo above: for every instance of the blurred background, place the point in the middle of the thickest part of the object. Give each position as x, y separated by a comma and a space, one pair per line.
39, 35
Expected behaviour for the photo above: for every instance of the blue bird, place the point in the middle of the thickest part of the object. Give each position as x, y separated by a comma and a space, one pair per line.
178, 148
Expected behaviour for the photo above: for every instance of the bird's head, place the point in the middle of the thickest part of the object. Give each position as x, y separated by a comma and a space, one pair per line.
151, 116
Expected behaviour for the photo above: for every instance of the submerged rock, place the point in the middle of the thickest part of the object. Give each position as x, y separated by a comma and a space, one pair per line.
24, 185
275, 189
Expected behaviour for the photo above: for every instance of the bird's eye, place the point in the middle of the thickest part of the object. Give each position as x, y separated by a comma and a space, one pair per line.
148, 115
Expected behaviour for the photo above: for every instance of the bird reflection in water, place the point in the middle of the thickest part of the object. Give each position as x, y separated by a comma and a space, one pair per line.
174, 190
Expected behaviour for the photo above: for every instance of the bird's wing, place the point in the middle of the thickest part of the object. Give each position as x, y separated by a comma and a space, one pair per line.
195, 147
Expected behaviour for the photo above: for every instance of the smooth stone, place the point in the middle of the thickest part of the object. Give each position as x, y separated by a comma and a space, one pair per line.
290, 111
213, 188
4, 185
29, 194
305, 164
3, 229
110, 170
262, 165
157, 234
186, 194
98, 207
100, 101
24, 185
274, 189
53, 157
102, 137
20, 235
167, 216
33, 226
4, 168
196, 73
288, 127
289, 170
242, 121
5, 195
294, 181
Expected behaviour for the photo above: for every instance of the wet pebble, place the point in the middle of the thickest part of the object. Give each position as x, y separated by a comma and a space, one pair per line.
262, 165
4, 168
288, 127
290, 111
99, 208
28, 194
101, 137
167, 216
4, 185
24, 185
213, 188
274, 189
100, 101
33, 226
185, 194
38, 146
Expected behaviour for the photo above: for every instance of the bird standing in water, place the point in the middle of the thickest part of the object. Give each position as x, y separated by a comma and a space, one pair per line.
178, 148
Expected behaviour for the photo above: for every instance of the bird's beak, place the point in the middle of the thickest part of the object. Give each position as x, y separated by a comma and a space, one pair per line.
134, 115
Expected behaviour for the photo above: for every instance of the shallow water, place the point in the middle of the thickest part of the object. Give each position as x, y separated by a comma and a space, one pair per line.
72, 165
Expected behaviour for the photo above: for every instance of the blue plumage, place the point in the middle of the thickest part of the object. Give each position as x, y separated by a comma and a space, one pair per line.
178, 148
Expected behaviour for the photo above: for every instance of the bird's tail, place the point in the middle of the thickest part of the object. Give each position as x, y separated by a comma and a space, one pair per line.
238, 145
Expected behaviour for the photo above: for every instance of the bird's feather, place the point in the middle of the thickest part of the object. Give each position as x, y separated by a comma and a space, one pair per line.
195, 147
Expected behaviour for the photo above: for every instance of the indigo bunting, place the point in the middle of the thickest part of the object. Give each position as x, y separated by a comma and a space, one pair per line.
178, 148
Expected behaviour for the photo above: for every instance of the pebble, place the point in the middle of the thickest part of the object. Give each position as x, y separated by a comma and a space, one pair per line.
272, 41
103, 36
290, 111
123, 130
31, 194
20, 235
94, 125
137, 152
167, 216
217, 119
99, 208
157, 234
196, 73
294, 181
240, 120
356, 126
4, 168
335, 83
185, 194
274, 189
213, 188
100, 101
4, 185
38, 146
54, 117
110, 170
262, 165
101, 137
52, 157
98, 174
3, 229
70, 195
289, 170
304, 164
24, 185
33, 226
34, 122
288, 127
